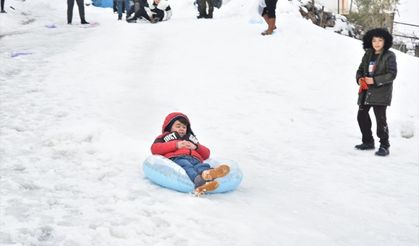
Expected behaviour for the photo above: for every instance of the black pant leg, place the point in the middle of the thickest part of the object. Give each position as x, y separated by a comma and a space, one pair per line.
202, 7
271, 8
142, 13
131, 10
210, 7
80, 4
364, 122
382, 127
70, 5
115, 9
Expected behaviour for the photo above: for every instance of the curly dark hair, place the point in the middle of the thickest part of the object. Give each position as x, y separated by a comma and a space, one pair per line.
379, 33
182, 120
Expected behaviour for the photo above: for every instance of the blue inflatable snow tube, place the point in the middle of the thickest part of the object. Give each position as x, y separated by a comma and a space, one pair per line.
166, 173
103, 3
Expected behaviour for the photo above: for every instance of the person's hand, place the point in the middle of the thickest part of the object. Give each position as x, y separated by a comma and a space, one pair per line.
369, 80
181, 144
190, 145
185, 144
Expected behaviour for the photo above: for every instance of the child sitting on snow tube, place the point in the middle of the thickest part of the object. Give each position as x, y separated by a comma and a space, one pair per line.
178, 143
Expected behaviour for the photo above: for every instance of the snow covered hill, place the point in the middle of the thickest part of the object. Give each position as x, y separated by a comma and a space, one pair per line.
80, 107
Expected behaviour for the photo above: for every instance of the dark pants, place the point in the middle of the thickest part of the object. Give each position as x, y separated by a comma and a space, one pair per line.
138, 4
115, 6
202, 7
364, 122
141, 13
122, 5
2, 5
270, 8
70, 5
131, 10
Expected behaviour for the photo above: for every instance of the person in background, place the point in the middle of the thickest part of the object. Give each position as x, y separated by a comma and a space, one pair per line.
375, 76
202, 9
268, 14
158, 11
2, 7
70, 6
121, 4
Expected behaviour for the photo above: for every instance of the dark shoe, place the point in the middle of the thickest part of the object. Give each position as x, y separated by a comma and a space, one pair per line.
201, 16
83, 22
3, 11
365, 146
132, 20
154, 20
267, 32
382, 151
69, 22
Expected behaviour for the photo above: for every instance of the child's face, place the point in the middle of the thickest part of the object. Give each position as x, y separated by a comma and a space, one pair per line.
179, 127
378, 44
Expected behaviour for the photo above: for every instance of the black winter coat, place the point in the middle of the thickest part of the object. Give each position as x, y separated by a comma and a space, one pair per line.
379, 93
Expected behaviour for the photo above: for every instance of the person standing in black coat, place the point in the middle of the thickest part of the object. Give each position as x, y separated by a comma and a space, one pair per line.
70, 6
375, 75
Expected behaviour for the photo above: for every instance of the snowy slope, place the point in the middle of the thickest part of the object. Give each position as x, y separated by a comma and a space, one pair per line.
80, 110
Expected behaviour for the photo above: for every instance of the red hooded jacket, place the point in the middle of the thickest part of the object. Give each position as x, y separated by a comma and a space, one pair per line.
165, 143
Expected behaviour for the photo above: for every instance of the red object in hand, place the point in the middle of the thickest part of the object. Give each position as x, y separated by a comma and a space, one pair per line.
363, 86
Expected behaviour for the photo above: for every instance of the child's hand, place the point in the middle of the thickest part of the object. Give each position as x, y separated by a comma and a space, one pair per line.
181, 144
185, 144
190, 145
369, 80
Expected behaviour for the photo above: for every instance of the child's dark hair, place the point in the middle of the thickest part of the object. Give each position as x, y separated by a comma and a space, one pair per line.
379, 33
181, 120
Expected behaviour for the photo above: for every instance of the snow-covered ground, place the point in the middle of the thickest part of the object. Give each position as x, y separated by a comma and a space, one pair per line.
80, 107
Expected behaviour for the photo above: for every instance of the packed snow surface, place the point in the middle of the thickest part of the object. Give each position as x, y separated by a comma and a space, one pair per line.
80, 107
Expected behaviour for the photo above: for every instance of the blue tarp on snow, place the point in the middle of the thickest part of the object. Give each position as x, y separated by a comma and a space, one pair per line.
103, 3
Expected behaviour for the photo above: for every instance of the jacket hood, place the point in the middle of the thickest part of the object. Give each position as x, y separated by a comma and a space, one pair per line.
171, 118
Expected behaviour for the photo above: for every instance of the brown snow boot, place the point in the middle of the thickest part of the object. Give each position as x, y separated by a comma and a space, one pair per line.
271, 26
208, 186
218, 172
